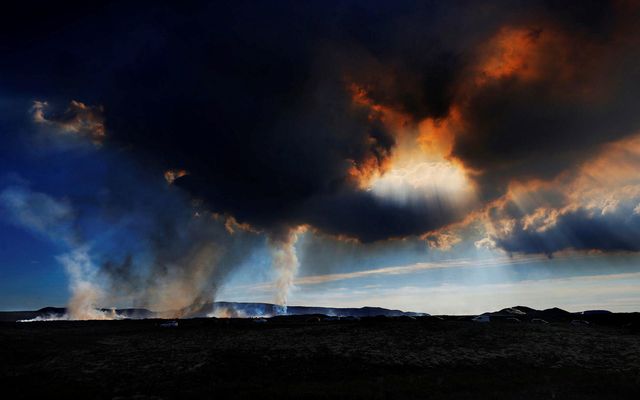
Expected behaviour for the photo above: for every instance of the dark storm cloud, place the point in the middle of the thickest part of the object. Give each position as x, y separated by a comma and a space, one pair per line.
362, 216
253, 100
573, 87
522, 131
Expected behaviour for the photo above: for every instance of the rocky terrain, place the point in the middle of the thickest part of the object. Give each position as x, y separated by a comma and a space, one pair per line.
314, 356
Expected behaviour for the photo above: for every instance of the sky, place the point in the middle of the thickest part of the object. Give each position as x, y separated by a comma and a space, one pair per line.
443, 157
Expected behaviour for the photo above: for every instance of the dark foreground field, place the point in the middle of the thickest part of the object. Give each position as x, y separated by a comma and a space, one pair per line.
284, 358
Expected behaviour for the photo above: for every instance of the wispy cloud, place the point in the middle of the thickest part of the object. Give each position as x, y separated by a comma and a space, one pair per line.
418, 267
38, 212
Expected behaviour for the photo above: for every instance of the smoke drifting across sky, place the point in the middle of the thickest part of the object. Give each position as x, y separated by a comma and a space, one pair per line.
496, 122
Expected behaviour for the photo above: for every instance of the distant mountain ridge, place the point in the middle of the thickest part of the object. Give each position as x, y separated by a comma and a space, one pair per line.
221, 309
225, 309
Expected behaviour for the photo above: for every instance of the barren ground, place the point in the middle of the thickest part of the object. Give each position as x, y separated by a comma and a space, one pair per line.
283, 358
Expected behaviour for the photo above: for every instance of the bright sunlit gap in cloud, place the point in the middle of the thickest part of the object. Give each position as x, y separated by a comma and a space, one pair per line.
420, 168
423, 180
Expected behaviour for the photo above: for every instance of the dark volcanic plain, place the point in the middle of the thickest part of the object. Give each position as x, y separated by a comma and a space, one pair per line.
311, 357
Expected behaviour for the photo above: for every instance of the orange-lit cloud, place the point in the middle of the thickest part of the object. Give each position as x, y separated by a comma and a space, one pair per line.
426, 161
393, 119
378, 162
171, 175
605, 186
512, 52
363, 173
232, 226
436, 136
418, 168
79, 119
535, 52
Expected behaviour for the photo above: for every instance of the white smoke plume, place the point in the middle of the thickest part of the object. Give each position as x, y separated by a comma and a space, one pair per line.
285, 263
54, 219
187, 255
87, 295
